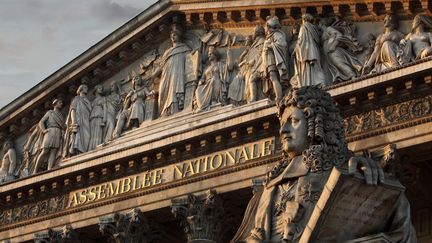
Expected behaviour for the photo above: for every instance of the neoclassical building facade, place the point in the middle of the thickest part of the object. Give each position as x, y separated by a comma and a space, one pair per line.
168, 128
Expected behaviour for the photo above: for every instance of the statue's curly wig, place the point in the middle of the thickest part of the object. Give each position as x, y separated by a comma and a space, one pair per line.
325, 134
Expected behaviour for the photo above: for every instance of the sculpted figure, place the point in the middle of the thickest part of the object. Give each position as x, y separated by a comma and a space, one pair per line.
307, 58
8, 163
77, 136
312, 144
113, 106
212, 86
52, 127
275, 63
418, 43
251, 60
133, 111
98, 117
339, 52
172, 76
386, 52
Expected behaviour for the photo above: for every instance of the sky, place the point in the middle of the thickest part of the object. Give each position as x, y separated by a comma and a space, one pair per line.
37, 37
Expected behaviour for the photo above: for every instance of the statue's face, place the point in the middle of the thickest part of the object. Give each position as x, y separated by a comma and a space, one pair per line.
59, 104
175, 37
84, 89
99, 89
293, 131
113, 88
388, 21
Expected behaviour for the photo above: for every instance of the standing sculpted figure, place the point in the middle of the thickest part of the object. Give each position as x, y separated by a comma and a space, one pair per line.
387, 53
8, 163
418, 43
212, 85
172, 76
339, 53
275, 63
312, 144
307, 57
252, 60
113, 106
77, 136
98, 117
52, 126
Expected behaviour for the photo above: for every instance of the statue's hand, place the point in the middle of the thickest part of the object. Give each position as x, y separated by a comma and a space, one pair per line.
372, 171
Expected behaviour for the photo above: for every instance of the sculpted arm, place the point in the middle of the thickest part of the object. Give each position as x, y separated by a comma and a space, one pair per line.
370, 62
13, 160
42, 122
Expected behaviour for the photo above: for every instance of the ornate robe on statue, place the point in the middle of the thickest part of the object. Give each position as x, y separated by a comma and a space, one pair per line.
307, 66
77, 139
213, 89
342, 63
275, 59
173, 78
291, 197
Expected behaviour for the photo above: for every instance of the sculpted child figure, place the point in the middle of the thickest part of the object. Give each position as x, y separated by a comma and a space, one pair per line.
313, 143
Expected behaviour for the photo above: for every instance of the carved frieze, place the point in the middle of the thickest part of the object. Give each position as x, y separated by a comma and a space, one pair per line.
388, 115
33, 210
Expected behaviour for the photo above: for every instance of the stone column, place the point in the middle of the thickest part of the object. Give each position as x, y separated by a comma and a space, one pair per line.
131, 227
66, 235
201, 216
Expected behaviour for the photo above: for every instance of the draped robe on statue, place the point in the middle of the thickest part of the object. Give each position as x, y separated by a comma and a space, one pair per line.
307, 66
275, 57
213, 89
173, 77
78, 138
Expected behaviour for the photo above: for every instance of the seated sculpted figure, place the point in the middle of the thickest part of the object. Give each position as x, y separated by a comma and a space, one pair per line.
133, 111
211, 87
387, 53
8, 163
418, 43
313, 143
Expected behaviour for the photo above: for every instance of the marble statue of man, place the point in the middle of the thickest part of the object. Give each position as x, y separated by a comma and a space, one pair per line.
77, 136
98, 118
307, 57
8, 163
313, 142
275, 62
52, 126
113, 106
387, 52
172, 75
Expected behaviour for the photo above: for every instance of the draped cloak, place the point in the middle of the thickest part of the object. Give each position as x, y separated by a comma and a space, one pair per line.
307, 67
277, 56
78, 139
173, 77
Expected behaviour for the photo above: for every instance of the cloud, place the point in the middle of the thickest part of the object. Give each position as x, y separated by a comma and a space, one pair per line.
37, 37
